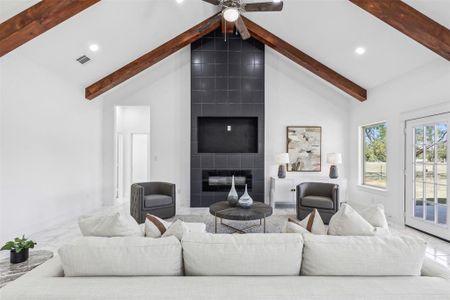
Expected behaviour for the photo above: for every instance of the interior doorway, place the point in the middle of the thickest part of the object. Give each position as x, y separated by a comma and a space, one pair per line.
132, 148
426, 180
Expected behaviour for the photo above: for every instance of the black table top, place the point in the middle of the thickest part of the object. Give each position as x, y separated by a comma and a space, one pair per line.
223, 210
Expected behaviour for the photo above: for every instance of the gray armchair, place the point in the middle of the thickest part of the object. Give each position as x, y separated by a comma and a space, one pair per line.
322, 196
156, 198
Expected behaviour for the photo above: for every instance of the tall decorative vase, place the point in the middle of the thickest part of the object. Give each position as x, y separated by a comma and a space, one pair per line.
233, 197
245, 201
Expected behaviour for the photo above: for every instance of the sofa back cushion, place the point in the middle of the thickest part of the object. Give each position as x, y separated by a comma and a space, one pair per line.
207, 254
362, 255
126, 256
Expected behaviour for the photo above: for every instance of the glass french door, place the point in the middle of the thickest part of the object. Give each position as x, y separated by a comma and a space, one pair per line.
426, 177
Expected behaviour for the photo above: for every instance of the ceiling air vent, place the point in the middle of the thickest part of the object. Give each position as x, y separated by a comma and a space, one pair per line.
83, 59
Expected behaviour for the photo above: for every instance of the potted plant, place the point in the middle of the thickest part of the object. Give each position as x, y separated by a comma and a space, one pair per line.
19, 248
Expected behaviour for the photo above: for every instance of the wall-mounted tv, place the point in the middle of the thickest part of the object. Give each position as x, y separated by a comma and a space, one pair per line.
227, 134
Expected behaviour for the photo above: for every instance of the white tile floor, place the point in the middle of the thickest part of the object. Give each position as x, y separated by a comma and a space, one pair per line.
53, 238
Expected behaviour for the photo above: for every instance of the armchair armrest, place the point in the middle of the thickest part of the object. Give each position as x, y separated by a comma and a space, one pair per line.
137, 202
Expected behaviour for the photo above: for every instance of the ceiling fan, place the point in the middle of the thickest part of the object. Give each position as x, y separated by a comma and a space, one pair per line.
232, 10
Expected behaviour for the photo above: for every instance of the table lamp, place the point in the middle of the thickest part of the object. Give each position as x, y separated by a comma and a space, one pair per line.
334, 159
282, 159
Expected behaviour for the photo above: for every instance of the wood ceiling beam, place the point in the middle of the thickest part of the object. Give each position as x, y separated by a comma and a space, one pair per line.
149, 59
305, 60
36, 20
411, 22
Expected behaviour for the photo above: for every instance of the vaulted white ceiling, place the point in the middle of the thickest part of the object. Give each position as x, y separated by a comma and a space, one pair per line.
328, 30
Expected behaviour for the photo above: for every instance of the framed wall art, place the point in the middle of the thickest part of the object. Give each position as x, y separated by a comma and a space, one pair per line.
304, 145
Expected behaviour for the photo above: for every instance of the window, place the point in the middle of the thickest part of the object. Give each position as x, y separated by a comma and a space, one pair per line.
374, 155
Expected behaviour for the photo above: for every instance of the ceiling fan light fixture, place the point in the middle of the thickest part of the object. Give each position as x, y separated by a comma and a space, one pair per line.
231, 14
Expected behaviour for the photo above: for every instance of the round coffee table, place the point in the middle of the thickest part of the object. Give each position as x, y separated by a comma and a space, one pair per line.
222, 210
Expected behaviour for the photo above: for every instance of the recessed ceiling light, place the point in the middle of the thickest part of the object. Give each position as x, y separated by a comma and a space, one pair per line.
94, 47
180, 1
276, 1
360, 50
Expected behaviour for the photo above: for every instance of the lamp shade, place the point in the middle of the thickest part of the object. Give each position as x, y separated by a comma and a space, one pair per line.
282, 158
334, 158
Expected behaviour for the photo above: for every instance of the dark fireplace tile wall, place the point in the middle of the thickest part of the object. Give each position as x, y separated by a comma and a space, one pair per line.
227, 80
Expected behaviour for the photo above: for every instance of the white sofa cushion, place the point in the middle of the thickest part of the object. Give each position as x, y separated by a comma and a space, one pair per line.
347, 221
111, 225
375, 215
126, 256
362, 255
249, 254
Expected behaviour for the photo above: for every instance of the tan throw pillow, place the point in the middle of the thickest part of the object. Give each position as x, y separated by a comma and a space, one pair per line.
177, 229
155, 227
312, 223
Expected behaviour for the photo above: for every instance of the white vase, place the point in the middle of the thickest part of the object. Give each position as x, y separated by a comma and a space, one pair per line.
233, 197
245, 201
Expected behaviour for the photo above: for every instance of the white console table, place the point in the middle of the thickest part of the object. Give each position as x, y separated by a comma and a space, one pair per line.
283, 190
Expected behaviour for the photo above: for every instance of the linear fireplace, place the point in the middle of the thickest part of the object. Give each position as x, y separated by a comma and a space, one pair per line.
220, 180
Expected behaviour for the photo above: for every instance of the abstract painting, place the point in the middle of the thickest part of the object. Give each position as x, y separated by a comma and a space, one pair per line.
304, 148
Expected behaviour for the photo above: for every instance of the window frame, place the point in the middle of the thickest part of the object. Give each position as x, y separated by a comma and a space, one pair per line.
363, 161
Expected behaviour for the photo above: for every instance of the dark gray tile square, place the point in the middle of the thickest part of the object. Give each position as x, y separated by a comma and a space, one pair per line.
234, 83
207, 161
234, 58
196, 174
234, 70
221, 70
221, 83
207, 44
234, 161
235, 44
221, 57
195, 162
220, 161
247, 161
220, 44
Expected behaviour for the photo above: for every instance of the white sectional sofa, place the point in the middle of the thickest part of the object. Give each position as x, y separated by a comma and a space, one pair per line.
254, 266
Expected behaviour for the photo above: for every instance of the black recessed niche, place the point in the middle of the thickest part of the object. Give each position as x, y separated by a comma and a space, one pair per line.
227, 135
227, 89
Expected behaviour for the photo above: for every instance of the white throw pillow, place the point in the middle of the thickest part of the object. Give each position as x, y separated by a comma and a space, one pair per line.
176, 229
312, 223
362, 255
155, 227
207, 254
122, 256
374, 214
293, 227
112, 225
347, 221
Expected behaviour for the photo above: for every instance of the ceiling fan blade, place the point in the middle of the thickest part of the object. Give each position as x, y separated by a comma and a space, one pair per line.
213, 2
263, 6
243, 31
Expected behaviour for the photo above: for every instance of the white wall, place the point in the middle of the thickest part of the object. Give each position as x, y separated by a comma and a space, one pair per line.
296, 97
426, 86
293, 97
165, 87
50, 149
